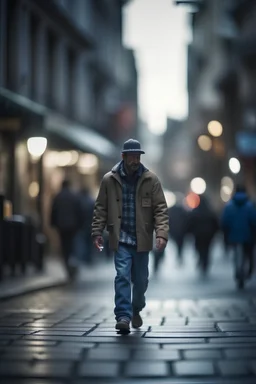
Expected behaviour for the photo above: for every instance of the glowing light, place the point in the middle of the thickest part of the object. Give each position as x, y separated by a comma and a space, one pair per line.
192, 200
234, 165
215, 128
33, 189
226, 180
198, 185
204, 143
88, 164
36, 146
74, 157
225, 193
227, 187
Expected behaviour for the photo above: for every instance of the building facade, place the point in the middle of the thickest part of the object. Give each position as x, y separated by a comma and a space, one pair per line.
221, 79
66, 76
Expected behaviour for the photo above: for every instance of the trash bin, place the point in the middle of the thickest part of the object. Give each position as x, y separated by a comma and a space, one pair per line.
15, 242
1, 234
23, 244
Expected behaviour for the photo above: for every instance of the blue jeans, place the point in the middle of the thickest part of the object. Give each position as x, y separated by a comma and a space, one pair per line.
131, 268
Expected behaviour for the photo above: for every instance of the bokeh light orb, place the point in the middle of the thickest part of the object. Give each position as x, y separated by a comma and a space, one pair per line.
198, 185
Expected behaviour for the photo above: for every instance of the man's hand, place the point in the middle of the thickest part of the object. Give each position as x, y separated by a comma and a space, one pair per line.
160, 243
98, 242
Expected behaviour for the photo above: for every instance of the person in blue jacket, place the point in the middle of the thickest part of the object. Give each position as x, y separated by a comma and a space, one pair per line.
238, 222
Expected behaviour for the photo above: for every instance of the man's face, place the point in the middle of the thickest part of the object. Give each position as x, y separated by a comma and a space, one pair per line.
131, 161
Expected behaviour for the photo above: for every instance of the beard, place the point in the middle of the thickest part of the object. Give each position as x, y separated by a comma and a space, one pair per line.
135, 167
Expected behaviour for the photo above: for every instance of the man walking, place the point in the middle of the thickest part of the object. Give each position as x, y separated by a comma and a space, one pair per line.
131, 205
238, 222
67, 218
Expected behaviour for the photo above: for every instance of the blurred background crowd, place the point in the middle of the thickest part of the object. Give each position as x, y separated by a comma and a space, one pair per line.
74, 85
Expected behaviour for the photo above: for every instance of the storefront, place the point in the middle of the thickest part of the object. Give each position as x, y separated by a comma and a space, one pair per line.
29, 178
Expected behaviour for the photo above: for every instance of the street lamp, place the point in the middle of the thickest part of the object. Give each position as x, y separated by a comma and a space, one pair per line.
36, 146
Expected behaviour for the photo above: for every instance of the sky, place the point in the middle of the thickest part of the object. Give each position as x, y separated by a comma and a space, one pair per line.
157, 31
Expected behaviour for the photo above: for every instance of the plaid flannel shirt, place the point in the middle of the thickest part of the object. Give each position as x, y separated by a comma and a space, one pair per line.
128, 223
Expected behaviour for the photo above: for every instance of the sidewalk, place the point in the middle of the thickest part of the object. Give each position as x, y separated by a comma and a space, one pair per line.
196, 330
53, 275
219, 280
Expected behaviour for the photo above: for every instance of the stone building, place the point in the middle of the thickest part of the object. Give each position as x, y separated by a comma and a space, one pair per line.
65, 76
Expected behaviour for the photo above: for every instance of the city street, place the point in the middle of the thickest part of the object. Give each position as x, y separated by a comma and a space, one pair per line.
196, 330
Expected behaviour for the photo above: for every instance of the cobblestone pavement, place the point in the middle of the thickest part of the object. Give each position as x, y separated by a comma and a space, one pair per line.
64, 336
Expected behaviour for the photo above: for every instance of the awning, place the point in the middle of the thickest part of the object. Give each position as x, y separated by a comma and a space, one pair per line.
79, 136
22, 102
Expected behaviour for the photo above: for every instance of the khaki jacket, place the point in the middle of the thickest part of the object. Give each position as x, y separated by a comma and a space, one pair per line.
151, 210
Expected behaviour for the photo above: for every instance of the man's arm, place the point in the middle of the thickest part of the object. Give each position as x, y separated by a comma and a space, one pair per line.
100, 210
161, 218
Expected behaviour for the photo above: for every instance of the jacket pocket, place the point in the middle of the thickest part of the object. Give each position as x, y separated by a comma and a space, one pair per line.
146, 202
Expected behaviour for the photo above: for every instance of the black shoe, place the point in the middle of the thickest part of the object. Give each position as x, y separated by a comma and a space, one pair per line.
137, 321
123, 325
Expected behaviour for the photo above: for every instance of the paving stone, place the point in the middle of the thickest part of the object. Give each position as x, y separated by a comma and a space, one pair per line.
49, 356
101, 370
11, 323
204, 346
231, 327
40, 322
17, 357
39, 369
58, 328
182, 335
253, 366
76, 346
108, 354
140, 347
38, 325
32, 381
19, 350
78, 339
230, 340
144, 369
240, 353
202, 354
15, 331
113, 333
240, 333
155, 355
114, 339
9, 337
59, 333
191, 368
3, 342
185, 328
34, 343
233, 368
53, 356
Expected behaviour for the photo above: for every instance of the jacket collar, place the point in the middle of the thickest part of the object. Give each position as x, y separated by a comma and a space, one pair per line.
116, 175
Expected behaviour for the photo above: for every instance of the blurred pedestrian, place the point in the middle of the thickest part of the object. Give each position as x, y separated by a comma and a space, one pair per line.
83, 242
178, 216
202, 224
238, 222
131, 203
67, 219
